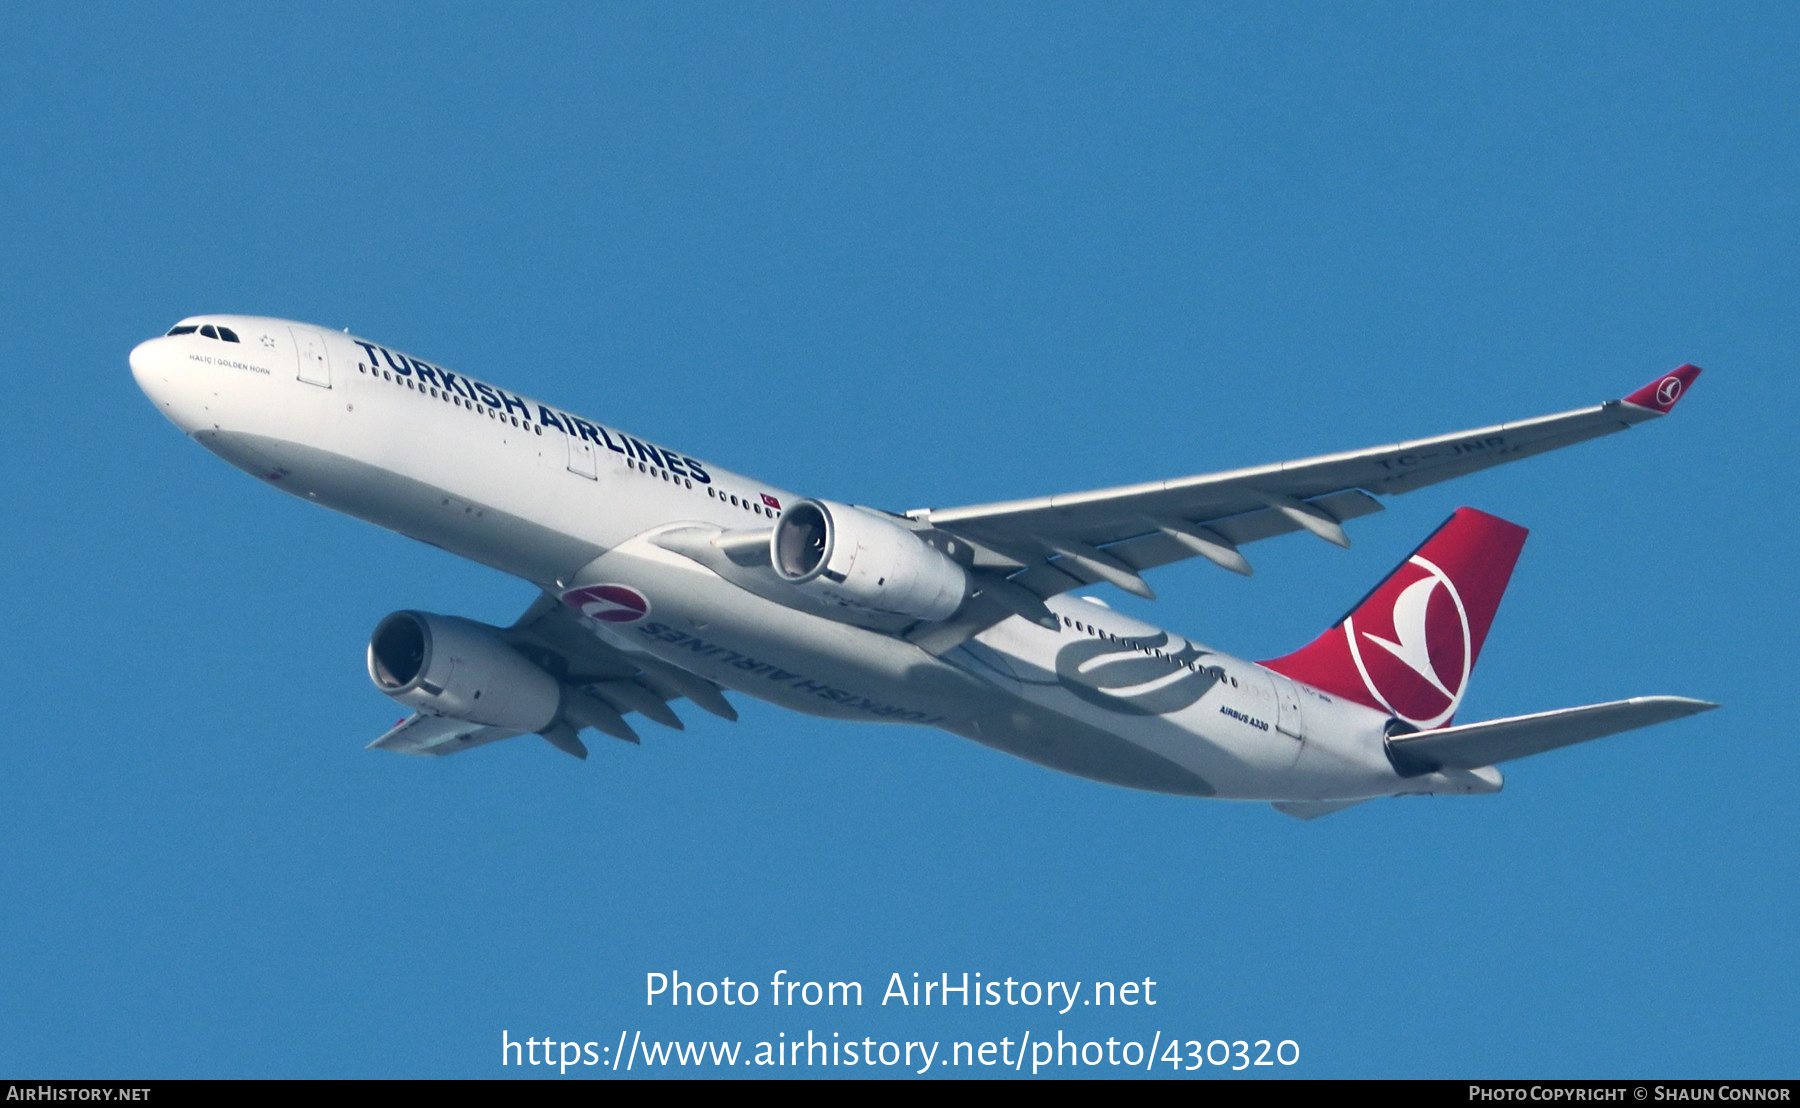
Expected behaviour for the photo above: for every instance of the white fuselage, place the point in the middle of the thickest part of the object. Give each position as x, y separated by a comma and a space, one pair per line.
561, 501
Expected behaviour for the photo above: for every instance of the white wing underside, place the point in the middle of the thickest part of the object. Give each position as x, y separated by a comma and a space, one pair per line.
602, 686
423, 734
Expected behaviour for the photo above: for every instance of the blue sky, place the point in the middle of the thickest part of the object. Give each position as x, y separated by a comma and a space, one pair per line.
903, 255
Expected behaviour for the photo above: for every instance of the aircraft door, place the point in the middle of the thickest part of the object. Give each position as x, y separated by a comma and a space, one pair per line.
582, 458
315, 362
1287, 707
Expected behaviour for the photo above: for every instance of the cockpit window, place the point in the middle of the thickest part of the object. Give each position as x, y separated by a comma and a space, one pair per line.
209, 331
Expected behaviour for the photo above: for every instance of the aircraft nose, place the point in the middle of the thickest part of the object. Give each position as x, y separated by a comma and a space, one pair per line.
147, 364
168, 380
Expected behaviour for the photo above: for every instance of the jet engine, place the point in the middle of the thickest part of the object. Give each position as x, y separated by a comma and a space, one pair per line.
853, 556
459, 668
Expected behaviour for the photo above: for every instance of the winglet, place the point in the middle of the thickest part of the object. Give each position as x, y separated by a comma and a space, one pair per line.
1661, 394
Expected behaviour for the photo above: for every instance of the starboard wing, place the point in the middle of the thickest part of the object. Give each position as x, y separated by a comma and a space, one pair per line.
1051, 544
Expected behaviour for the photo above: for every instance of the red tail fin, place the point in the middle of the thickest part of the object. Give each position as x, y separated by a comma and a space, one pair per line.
1409, 647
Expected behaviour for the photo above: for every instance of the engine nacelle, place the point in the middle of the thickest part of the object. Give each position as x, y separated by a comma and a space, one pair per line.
853, 556
459, 668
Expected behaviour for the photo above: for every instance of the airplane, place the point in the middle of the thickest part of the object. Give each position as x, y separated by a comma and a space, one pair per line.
666, 577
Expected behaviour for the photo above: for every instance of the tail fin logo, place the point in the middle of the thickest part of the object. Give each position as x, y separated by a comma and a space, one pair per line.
1669, 391
1408, 647
1420, 672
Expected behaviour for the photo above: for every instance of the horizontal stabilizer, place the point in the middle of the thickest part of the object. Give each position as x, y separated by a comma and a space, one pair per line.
1473, 745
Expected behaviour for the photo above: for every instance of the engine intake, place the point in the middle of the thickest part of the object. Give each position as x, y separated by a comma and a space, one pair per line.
459, 668
854, 557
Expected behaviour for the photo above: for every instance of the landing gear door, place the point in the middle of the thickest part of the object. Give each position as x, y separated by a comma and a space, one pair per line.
315, 363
